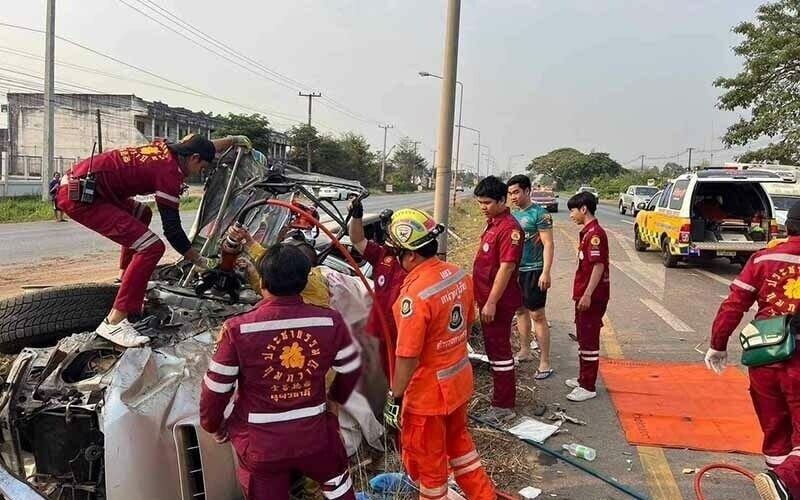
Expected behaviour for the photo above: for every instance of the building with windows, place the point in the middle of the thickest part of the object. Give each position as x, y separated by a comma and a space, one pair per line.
84, 120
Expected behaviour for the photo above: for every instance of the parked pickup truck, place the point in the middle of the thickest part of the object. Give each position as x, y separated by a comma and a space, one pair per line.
635, 198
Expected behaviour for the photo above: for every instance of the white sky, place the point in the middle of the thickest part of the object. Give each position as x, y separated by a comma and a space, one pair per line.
628, 77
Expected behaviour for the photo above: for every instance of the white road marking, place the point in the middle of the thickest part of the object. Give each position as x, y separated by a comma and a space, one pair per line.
714, 277
627, 222
676, 323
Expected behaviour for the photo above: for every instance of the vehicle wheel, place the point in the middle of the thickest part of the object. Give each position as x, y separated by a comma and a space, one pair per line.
43, 317
621, 209
638, 244
351, 196
667, 258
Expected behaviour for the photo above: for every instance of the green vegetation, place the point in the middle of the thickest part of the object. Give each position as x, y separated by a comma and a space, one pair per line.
568, 168
767, 85
33, 209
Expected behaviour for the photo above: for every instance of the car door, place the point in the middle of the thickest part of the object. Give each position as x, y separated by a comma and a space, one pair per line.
646, 217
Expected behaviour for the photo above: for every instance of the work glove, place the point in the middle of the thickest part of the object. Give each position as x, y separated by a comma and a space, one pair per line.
206, 263
242, 141
716, 360
356, 209
386, 216
392, 410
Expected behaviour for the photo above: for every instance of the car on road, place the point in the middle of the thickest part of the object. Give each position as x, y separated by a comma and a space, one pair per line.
545, 198
588, 189
783, 197
84, 419
716, 212
635, 198
332, 193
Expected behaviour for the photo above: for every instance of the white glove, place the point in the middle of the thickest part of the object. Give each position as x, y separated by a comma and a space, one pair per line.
716, 360
242, 141
205, 263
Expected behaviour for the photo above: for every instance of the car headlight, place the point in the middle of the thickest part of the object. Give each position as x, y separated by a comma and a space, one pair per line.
641, 205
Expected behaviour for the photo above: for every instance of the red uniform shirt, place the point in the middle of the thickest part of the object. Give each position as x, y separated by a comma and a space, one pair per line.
140, 170
279, 354
592, 249
434, 315
387, 277
772, 278
501, 242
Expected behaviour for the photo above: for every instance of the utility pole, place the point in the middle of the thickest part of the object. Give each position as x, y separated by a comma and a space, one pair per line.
383, 158
642, 163
415, 157
99, 133
446, 118
310, 96
690, 159
49, 101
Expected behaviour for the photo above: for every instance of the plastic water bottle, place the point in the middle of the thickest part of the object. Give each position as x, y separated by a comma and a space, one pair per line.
580, 451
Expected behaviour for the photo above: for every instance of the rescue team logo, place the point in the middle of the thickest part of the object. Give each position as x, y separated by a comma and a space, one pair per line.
547, 219
406, 307
485, 248
291, 358
595, 241
784, 290
144, 154
515, 237
381, 280
387, 260
403, 232
456, 318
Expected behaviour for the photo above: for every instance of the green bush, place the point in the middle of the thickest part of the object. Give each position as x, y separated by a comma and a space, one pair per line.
32, 208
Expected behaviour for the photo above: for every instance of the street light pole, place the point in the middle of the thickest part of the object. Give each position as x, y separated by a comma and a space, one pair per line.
383, 158
49, 108
441, 209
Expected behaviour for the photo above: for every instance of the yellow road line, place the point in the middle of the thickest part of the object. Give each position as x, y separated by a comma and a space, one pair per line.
658, 476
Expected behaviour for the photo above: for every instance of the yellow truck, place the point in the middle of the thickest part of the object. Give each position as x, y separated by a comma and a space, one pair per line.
709, 213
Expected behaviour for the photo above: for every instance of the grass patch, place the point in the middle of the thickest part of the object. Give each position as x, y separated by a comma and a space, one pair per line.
33, 209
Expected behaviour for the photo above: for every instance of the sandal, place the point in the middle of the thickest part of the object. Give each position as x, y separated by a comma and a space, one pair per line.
543, 374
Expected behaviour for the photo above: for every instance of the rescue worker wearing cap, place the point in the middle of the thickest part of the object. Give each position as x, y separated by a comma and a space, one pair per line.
114, 178
772, 279
387, 278
433, 376
497, 291
276, 356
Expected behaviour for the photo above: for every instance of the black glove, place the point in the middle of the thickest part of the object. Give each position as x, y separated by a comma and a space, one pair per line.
392, 411
386, 216
356, 209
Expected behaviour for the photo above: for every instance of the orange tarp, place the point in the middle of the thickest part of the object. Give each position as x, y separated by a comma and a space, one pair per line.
676, 405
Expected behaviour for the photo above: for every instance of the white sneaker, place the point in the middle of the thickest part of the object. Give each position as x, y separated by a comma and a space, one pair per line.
572, 382
534, 345
579, 394
122, 334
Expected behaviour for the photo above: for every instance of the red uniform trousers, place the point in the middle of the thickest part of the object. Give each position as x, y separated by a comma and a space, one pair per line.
587, 325
434, 445
497, 341
775, 390
125, 223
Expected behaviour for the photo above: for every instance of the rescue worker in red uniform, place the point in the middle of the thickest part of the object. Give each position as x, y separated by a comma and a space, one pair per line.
497, 291
119, 175
772, 279
433, 376
387, 278
590, 291
277, 356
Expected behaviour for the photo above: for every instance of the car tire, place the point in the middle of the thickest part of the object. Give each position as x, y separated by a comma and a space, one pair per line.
43, 317
621, 208
667, 258
638, 244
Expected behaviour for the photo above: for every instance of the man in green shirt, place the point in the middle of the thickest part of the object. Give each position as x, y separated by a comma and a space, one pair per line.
534, 272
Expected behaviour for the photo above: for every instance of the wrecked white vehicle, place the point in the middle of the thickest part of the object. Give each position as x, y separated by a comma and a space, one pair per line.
85, 419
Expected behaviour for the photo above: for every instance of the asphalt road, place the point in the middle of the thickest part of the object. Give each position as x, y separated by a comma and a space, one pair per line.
655, 314
32, 241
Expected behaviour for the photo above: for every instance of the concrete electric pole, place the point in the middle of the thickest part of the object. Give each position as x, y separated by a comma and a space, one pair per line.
49, 101
690, 159
99, 133
310, 96
446, 118
383, 158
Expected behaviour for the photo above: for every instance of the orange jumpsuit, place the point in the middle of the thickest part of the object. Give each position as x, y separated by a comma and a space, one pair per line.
434, 314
